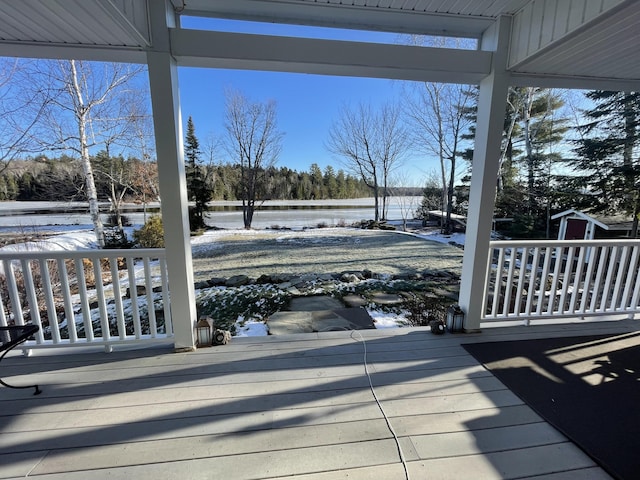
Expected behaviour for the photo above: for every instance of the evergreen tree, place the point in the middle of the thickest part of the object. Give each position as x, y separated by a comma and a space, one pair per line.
317, 182
330, 182
541, 130
606, 170
197, 189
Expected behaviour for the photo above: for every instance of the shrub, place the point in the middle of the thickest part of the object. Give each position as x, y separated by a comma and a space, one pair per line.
151, 235
116, 238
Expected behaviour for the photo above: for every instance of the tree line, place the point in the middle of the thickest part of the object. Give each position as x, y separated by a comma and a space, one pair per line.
133, 180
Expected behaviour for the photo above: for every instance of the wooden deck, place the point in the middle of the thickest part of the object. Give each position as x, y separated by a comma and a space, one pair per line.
279, 407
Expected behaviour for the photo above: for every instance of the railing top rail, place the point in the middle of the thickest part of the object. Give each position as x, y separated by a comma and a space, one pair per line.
73, 254
563, 243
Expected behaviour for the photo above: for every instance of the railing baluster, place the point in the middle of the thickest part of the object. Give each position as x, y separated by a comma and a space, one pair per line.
542, 291
14, 295
117, 297
168, 323
66, 295
577, 280
497, 283
133, 296
554, 282
52, 315
531, 286
3, 317
606, 300
151, 311
102, 305
508, 287
87, 321
32, 298
635, 300
630, 278
566, 280
592, 256
599, 299
487, 282
524, 256
620, 274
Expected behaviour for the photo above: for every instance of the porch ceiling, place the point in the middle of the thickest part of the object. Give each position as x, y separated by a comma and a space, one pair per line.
582, 44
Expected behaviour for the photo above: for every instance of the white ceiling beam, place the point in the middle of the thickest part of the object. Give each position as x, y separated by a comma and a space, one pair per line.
197, 48
574, 82
339, 16
73, 52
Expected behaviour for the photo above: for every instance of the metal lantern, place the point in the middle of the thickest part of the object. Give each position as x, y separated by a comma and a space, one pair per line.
455, 319
203, 333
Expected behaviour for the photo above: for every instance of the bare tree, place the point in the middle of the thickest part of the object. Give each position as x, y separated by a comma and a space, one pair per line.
371, 144
20, 110
439, 114
85, 112
254, 141
145, 171
406, 203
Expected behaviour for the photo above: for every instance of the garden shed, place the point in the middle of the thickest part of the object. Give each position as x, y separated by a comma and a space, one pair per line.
577, 225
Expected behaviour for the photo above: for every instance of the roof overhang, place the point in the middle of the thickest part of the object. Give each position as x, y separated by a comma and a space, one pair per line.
577, 44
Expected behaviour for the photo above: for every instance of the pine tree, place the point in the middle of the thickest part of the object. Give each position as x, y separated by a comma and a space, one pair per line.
607, 167
197, 189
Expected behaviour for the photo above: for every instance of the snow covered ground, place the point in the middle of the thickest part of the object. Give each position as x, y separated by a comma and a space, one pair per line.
83, 239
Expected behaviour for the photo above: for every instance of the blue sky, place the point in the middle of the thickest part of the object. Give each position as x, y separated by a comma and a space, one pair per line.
306, 104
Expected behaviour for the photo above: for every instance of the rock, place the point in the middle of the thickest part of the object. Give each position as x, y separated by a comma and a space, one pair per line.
237, 281
382, 298
264, 279
359, 275
202, 284
354, 301
281, 277
294, 291
140, 290
326, 277
349, 278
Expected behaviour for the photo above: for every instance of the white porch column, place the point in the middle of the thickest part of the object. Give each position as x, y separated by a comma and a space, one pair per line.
492, 104
163, 81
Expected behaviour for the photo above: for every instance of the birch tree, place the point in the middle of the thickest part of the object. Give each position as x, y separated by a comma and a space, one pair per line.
85, 111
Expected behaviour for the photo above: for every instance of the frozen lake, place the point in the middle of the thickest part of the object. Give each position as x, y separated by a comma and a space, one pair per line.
26, 216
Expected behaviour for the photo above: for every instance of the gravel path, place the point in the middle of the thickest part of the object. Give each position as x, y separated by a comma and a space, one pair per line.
226, 253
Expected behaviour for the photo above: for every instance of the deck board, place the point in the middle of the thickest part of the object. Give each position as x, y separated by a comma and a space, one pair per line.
297, 406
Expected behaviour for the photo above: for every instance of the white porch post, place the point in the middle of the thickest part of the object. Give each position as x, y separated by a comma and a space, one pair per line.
163, 81
490, 123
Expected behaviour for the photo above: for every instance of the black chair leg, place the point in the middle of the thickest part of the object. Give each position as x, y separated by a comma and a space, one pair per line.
2, 382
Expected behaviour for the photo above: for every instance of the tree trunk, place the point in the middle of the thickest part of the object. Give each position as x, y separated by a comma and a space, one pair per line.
376, 193
529, 151
448, 228
87, 169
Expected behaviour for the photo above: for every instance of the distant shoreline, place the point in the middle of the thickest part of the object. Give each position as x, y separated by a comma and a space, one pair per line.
21, 215
9, 207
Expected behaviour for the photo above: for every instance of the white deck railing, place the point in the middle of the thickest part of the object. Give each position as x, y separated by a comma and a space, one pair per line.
552, 279
88, 297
